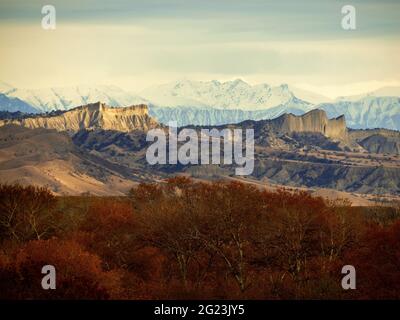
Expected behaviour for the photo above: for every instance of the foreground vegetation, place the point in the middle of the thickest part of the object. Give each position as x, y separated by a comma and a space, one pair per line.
187, 240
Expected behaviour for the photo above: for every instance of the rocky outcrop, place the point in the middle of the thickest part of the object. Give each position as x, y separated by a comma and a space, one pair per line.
315, 121
92, 116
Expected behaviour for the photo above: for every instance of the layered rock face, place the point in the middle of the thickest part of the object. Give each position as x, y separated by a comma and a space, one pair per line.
92, 116
315, 121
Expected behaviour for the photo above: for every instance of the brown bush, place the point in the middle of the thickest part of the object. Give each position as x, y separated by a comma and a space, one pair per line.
78, 273
377, 262
109, 230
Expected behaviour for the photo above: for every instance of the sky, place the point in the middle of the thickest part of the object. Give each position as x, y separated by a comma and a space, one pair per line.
139, 43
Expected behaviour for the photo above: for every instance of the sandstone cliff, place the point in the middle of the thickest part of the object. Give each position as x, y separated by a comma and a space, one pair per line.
315, 121
92, 116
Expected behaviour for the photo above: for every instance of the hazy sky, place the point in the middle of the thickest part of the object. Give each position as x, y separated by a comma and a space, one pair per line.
134, 44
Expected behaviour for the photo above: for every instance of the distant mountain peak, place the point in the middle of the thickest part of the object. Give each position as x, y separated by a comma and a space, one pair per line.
229, 95
65, 98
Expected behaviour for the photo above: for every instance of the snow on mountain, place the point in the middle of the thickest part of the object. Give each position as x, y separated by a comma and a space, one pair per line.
65, 98
211, 116
367, 112
235, 94
11, 104
375, 109
214, 102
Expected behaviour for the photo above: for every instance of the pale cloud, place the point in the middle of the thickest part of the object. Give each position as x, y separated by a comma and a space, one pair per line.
143, 46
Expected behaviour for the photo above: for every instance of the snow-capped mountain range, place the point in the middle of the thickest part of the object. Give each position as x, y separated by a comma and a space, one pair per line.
235, 94
214, 102
65, 98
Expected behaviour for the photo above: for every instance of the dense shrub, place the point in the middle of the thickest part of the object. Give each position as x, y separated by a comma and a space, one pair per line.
109, 230
78, 273
377, 260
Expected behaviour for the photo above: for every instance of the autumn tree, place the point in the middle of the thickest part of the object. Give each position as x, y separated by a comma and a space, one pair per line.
109, 230
341, 228
79, 274
377, 263
166, 220
227, 211
26, 212
286, 235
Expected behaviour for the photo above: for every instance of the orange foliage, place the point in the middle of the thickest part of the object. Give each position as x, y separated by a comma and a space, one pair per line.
109, 230
78, 273
185, 239
377, 261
